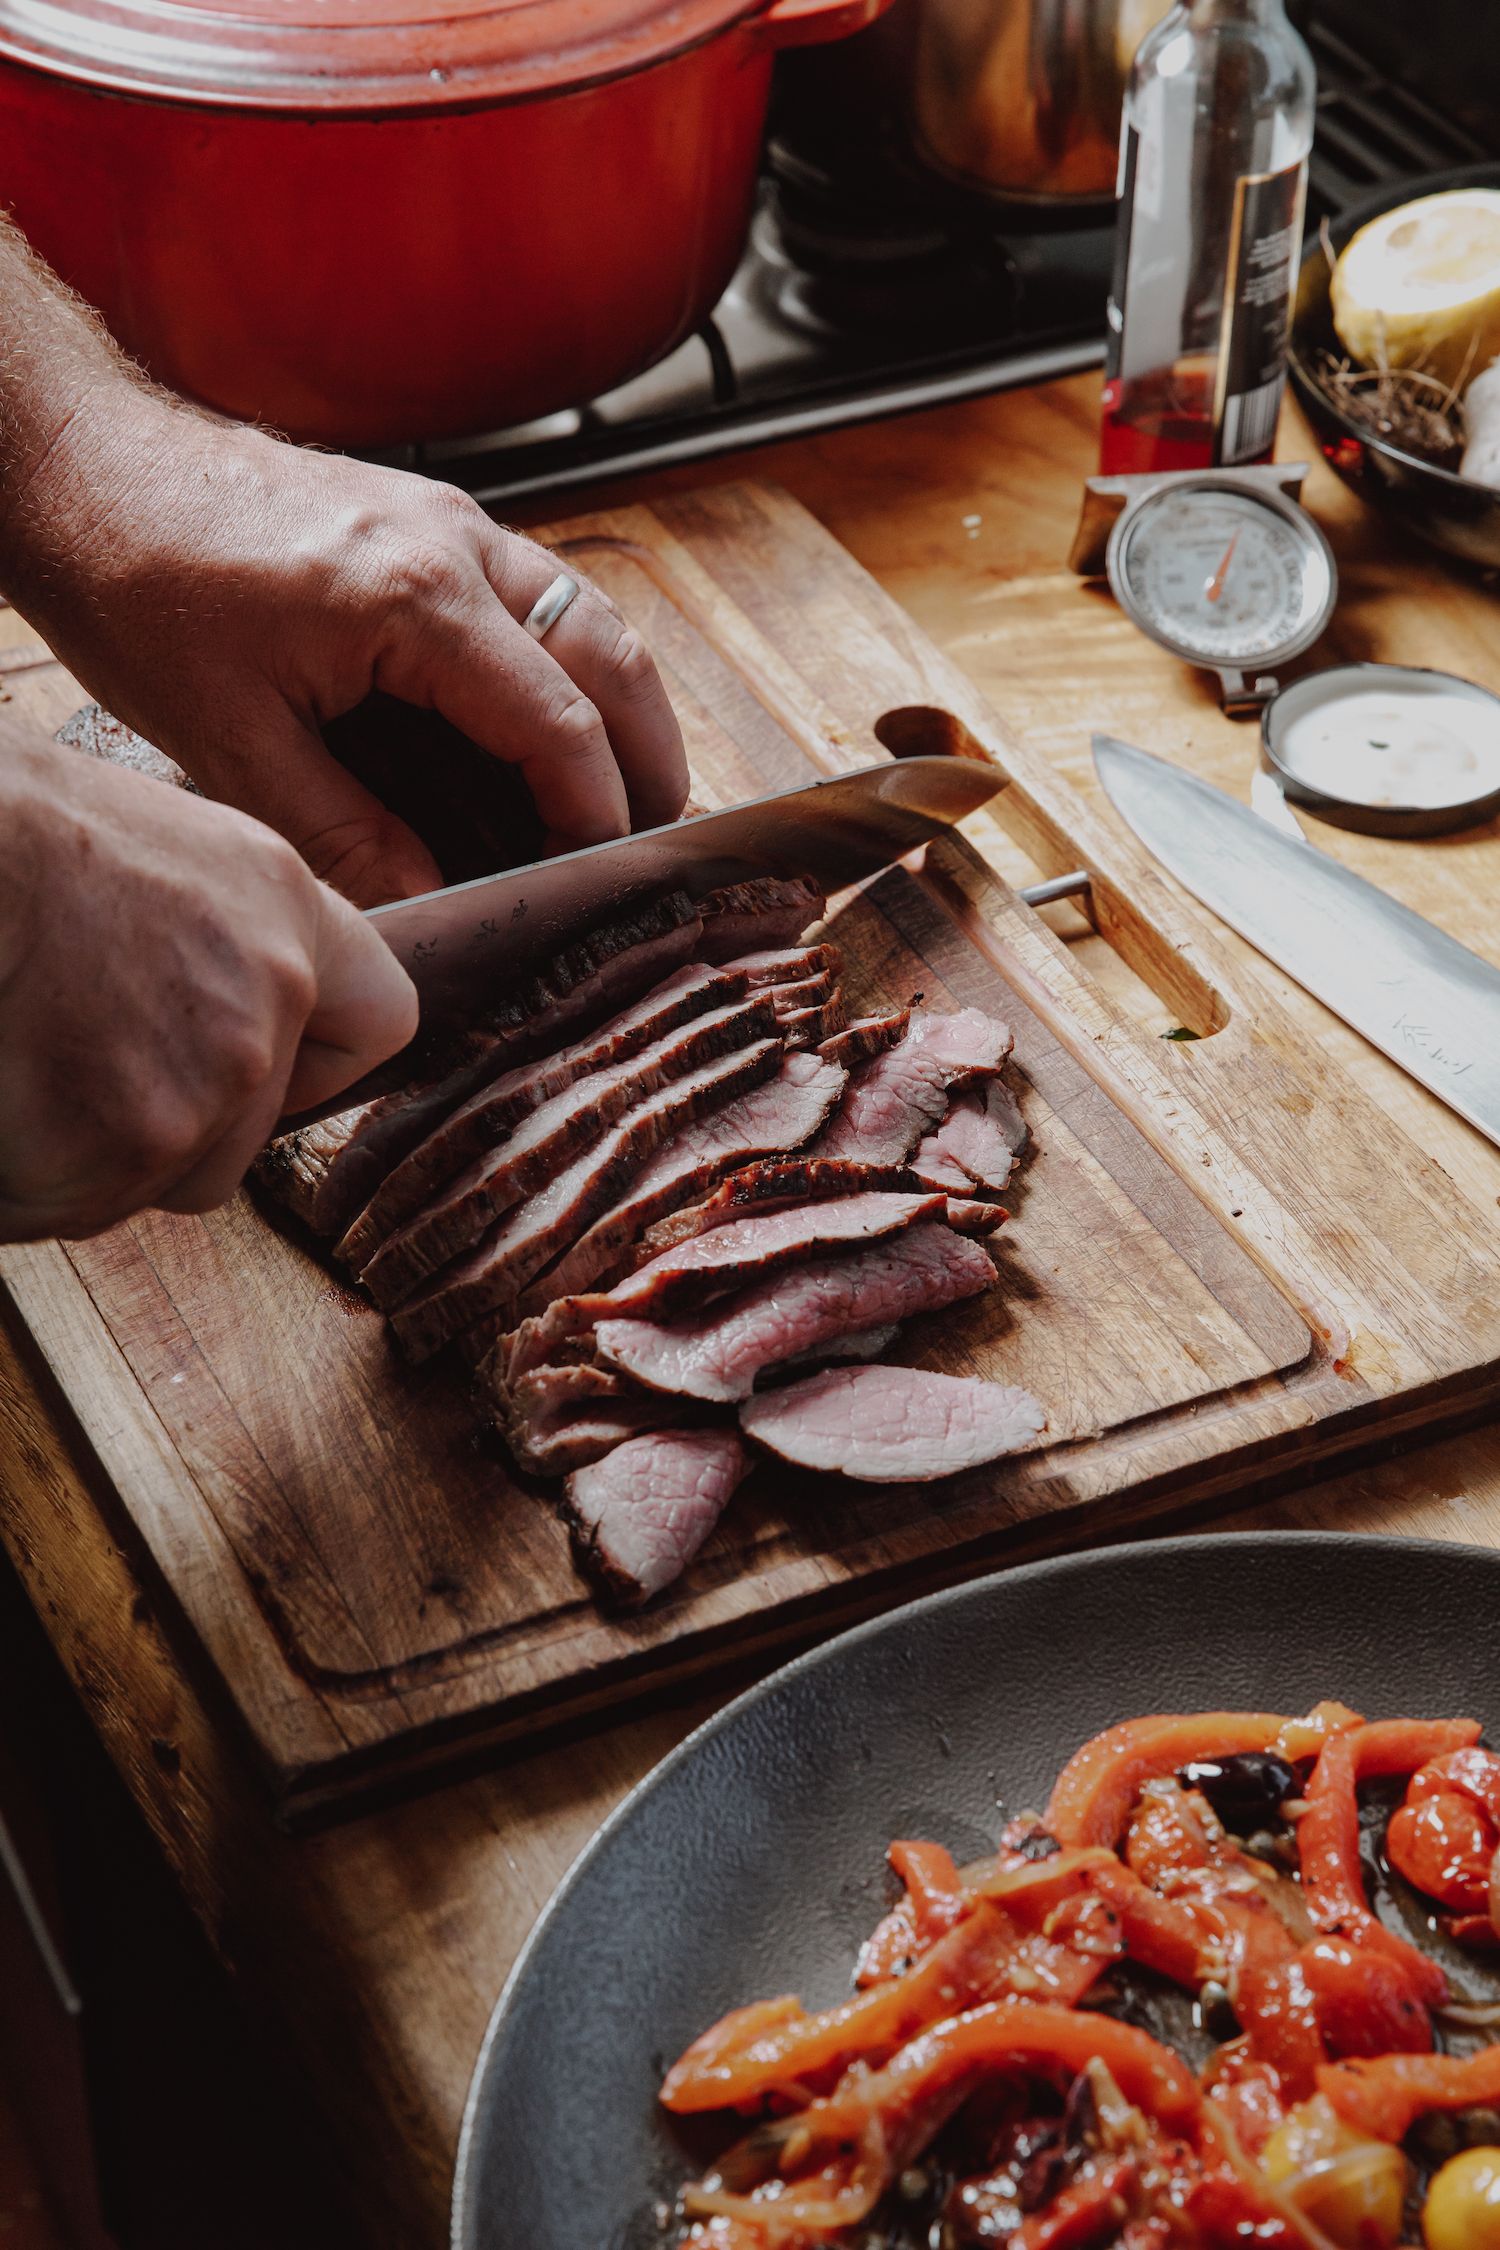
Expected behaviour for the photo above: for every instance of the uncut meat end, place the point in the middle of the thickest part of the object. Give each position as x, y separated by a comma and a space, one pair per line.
644, 1511
718, 1355
892, 1425
763, 913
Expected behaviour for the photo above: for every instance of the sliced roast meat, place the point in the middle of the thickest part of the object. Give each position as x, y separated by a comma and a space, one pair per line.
757, 915
787, 963
805, 992
898, 1097
560, 1418
780, 1115
323, 1173
486, 1119
685, 1274
732, 1255
809, 1027
892, 1425
718, 1353
983, 1133
935, 1168
490, 1278
549, 1138
643, 1512
809, 1179
866, 1036
329, 1171
769, 1184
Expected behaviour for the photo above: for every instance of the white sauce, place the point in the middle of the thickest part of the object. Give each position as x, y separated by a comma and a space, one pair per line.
1416, 742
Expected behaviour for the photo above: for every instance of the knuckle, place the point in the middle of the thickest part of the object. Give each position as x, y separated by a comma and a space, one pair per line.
247, 1057
422, 575
159, 1139
574, 723
628, 663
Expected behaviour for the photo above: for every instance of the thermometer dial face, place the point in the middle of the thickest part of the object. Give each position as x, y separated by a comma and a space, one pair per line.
1222, 576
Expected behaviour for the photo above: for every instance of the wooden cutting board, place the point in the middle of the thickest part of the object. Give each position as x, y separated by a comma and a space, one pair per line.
1225, 1264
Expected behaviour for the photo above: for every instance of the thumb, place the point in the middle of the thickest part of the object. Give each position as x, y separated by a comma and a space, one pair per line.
284, 775
365, 1010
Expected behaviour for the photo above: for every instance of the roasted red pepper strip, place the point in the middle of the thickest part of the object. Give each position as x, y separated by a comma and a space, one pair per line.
1328, 1831
933, 1886
1026, 1888
1092, 1799
756, 2053
1088, 2211
1384, 2097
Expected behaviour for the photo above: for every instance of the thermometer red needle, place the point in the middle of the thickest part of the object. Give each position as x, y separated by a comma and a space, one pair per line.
1215, 586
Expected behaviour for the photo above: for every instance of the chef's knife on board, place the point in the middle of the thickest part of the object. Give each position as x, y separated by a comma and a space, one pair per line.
1409, 988
462, 945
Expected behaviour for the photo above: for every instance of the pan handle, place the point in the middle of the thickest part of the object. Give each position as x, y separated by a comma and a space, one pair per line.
810, 23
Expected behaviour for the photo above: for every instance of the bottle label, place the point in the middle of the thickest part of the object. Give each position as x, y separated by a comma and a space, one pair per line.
1125, 183
1265, 247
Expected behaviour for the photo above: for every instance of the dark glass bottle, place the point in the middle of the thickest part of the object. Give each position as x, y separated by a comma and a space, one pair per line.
1218, 122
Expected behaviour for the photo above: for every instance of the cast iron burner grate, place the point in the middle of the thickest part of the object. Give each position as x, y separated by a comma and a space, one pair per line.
869, 289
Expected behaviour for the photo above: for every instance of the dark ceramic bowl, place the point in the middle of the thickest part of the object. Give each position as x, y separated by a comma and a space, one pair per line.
752, 1860
1446, 510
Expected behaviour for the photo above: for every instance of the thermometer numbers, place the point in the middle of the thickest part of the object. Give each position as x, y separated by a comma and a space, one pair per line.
1220, 576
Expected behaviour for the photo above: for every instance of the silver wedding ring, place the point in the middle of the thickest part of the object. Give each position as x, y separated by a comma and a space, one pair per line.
550, 606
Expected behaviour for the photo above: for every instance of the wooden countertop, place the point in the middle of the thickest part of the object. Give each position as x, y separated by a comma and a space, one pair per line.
376, 1950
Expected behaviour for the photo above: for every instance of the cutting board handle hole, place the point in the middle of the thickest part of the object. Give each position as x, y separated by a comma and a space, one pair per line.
925, 730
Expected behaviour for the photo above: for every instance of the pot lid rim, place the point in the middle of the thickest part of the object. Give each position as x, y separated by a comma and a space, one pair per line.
239, 57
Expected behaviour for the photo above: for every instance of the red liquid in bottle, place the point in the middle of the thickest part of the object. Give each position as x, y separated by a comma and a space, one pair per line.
1164, 420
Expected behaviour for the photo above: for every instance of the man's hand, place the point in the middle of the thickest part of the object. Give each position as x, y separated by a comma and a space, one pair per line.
172, 979
225, 594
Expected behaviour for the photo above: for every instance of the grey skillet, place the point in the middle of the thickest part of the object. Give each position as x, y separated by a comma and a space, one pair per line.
750, 1861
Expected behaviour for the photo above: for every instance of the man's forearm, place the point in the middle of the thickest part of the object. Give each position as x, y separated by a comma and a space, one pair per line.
63, 381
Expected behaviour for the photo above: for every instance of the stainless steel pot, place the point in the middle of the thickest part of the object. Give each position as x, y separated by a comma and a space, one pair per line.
1021, 98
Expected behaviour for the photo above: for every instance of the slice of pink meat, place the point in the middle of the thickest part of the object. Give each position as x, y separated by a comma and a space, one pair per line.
732, 1255
892, 1425
778, 1116
643, 1512
718, 1354
486, 1118
897, 1097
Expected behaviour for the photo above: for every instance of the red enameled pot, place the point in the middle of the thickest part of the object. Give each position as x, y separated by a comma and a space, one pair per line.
367, 221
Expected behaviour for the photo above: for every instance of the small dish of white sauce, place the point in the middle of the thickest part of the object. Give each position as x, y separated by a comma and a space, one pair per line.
1388, 747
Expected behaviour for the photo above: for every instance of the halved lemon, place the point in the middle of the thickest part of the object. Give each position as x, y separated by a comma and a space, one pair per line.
1420, 286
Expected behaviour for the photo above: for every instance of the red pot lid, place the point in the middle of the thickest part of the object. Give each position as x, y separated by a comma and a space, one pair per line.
352, 55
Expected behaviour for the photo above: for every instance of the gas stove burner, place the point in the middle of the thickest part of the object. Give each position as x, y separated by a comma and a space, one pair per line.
850, 286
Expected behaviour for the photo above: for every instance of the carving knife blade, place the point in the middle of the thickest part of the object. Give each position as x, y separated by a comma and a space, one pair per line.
1409, 988
463, 945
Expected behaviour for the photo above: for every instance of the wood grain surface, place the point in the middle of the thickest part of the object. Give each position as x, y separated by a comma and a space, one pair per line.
1221, 1252
376, 1948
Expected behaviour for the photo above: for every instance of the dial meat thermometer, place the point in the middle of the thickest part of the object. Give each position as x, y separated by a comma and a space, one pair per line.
1223, 567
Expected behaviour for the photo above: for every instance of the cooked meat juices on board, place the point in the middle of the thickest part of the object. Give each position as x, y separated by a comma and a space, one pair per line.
892, 1425
718, 1354
645, 1509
